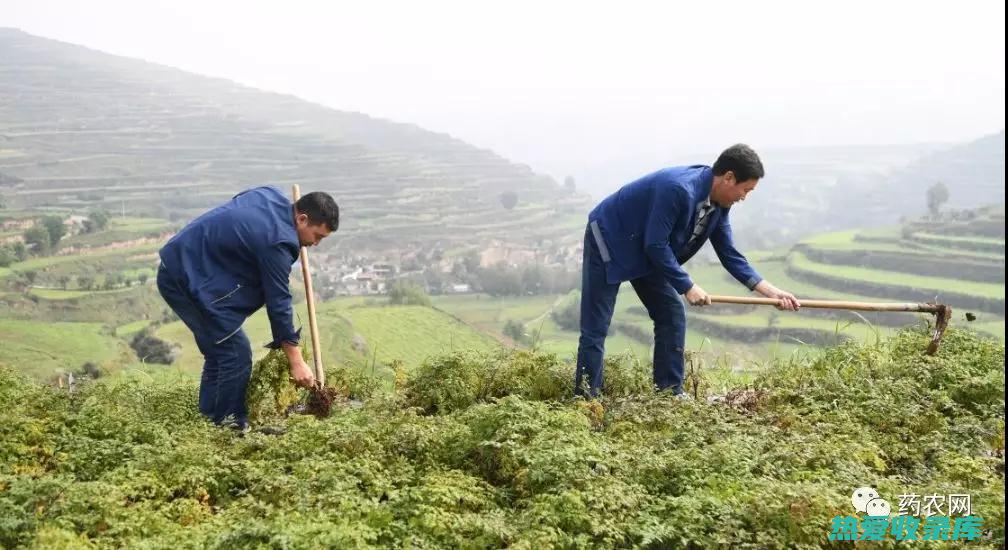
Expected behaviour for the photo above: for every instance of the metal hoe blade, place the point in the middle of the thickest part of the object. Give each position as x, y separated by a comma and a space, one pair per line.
942, 315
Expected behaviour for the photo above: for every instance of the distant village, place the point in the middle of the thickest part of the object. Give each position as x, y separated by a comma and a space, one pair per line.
363, 275
496, 267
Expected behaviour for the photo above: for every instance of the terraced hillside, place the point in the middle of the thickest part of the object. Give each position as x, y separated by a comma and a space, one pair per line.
79, 127
960, 263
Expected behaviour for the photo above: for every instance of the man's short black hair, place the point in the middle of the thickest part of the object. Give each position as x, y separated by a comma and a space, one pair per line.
740, 160
320, 208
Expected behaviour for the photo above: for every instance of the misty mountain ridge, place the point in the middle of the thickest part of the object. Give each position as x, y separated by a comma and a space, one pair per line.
81, 128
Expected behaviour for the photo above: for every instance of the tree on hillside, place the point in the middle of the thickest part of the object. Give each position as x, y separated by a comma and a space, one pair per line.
7, 256
64, 280
90, 370
408, 293
20, 251
937, 195
532, 279
514, 330
114, 280
435, 280
85, 282
567, 314
55, 228
559, 280
471, 261
500, 280
509, 199
97, 221
30, 276
151, 349
37, 239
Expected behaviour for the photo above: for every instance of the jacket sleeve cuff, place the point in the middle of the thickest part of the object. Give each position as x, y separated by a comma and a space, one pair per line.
683, 286
294, 338
753, 281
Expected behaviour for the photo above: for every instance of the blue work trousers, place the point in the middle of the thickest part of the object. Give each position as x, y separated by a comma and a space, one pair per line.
598, 298
227, 364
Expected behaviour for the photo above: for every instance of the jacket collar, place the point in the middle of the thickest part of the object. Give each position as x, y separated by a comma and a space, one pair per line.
703, 186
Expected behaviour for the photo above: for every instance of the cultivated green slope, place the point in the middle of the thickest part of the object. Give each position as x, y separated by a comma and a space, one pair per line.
457, 458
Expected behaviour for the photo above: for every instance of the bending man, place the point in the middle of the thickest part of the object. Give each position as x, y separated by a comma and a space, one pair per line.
224, 266
644, 233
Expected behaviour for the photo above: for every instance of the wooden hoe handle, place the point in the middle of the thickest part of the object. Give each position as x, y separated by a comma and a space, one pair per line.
310, 297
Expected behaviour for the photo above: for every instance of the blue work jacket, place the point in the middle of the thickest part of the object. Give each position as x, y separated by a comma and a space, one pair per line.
648, 225
236, 258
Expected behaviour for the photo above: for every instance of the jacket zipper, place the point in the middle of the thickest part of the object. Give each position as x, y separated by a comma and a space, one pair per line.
237, 288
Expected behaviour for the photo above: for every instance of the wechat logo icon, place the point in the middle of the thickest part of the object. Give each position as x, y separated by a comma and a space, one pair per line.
866, 499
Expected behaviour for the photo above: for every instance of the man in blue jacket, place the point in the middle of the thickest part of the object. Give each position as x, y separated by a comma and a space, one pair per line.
644, 233
224, 266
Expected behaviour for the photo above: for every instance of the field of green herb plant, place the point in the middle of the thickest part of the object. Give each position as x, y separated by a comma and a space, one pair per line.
488, 450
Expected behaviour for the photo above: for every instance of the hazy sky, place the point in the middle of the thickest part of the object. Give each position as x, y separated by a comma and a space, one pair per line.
570, 86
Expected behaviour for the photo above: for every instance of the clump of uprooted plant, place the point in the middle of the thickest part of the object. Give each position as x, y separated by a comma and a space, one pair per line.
492, 451
272, 394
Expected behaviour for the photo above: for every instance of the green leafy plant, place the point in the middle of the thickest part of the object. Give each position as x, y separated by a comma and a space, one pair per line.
270, 391
475, 450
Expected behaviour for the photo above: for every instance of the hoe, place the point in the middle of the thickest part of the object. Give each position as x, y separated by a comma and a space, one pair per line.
941, 312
